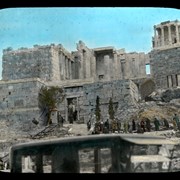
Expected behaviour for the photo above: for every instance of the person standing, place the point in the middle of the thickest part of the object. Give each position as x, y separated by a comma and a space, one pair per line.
106, 126
101, 124
89, 125
119, 125
139, 129
125, 127
174, 124
148, 124
156, 123
70, 114
143, 125
133, 125
166, 124
176, 118
75, 115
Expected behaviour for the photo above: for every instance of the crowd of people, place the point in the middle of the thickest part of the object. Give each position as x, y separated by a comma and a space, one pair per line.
133, 126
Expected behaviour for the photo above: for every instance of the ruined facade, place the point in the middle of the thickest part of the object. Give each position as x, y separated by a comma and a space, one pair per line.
87, 73
164, 58
49, 63
52, 63
166, 35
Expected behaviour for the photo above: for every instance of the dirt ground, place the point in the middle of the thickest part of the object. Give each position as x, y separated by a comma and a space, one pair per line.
77, 129
81, 129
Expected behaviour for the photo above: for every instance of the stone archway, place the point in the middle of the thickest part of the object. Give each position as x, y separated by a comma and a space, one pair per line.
146, 88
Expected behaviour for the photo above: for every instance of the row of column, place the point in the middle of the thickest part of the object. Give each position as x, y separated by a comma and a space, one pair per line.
66, 67
161, 41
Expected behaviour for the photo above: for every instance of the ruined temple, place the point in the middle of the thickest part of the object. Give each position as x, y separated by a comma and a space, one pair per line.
164, 58
85, 74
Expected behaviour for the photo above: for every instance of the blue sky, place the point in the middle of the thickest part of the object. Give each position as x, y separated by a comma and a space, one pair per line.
129, 28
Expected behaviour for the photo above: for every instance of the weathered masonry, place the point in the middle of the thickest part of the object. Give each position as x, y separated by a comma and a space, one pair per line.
164, 58
53, 63
49, 63
19, 103
123, 93
166, 67
87, 73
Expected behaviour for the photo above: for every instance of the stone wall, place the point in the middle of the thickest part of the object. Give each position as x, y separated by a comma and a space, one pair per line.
165, 67
135, 66
19, 103
27, 63
124, 93
49, 63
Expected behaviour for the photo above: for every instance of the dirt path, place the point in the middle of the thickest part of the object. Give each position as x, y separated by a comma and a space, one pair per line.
77, 129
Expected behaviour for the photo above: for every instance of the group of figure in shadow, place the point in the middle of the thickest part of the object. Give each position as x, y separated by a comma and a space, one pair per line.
133, 126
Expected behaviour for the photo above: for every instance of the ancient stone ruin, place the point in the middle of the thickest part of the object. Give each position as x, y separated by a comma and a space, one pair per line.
85, 74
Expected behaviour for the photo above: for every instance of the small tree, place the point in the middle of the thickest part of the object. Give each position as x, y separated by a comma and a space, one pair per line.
111, 109
98, 116
98, 110
49, 98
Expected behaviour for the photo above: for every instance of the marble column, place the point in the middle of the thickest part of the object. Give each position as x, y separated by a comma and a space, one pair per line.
177, 34
107, 67
115, 75
63, 67
84, 64
93, 70
70, 70
155, 37
169, 34
123, 68
162, 36
67, 61
87, 64
66, 68
81, 70
73, 69
60, 65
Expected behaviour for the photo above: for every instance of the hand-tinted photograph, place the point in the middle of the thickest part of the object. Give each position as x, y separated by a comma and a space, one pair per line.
90, 90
